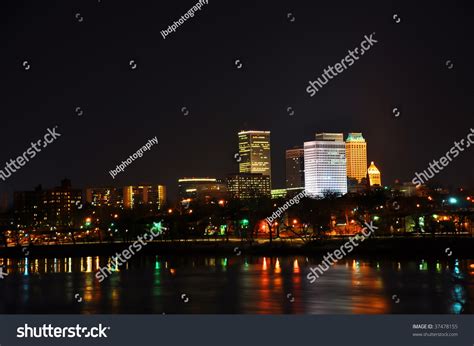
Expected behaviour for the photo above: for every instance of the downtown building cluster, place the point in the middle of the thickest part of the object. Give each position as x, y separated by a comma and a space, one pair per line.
332, 165
326, 165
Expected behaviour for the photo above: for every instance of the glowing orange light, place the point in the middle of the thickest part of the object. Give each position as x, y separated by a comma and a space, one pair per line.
170, 211
277, 266
430, 198
296, 267
221, 202
116, 216
88, 219
295, 221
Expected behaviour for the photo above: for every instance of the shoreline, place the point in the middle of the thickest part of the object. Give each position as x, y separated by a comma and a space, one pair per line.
442, 247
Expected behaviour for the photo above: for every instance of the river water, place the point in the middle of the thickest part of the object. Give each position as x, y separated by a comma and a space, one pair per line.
236, 285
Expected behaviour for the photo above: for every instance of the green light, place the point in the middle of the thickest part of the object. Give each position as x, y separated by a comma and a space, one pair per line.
421, 221
222, 229
452, 200
244, 222
376, 218
224, 262
157, 226
423, 265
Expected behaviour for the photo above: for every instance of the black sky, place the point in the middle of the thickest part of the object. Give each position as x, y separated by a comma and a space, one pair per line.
86, 64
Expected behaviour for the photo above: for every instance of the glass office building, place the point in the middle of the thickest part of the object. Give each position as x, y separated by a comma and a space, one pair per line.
254, 151
325, 167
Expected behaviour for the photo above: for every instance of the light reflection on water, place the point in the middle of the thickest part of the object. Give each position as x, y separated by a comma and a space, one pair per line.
254, 285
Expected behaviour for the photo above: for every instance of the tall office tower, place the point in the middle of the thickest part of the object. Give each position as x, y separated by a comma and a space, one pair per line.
248, 185
325, 165
254, 151
295, 170
356, 156
375, 178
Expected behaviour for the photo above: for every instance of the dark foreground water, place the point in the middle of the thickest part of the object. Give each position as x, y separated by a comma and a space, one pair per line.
236, 285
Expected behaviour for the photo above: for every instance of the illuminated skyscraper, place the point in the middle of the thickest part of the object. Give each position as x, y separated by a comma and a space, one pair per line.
375, 178
356, 156
325, 165
254, 151
295, 170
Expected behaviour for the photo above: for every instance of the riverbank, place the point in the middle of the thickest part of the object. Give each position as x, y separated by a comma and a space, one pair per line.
400, 247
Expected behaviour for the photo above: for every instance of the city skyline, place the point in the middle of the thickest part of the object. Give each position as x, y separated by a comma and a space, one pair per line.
255, 155
254, 158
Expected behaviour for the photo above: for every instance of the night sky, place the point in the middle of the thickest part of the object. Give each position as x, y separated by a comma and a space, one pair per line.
86, 64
